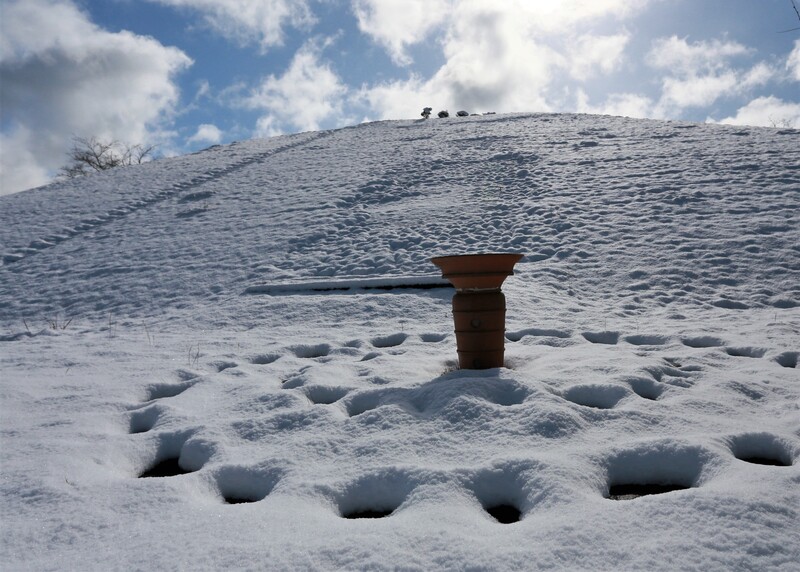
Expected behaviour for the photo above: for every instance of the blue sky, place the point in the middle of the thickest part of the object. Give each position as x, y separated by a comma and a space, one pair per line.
186, 74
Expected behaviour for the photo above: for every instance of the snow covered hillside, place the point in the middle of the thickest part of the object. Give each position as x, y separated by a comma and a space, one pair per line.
193, 376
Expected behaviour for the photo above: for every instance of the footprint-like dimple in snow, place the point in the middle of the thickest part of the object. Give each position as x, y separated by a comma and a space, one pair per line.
609, 338
310, 351
144, 420
375, 496
186, 374
324, 394
432, 338
761, 449
703, 342
745, 352
788, 359
264, 359
730, 304
595, 395
240, 484
646, 340
178, 455
363, 402
223, 365
164, 390
538, 332
389, 341
654, 468
646, 388
501, 491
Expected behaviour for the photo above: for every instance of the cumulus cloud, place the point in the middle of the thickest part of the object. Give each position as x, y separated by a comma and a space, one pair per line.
590, 54
304, 96
767, 112
697, 91
700, 73
678, 55
206, 133
501, 56
64, 76
397, 24
246, 21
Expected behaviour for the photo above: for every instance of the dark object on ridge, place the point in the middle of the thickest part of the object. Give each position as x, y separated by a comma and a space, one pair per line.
444, 113
426, 112
462, 113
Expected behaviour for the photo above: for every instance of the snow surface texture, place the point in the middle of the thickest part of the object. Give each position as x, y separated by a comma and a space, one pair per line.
243, 316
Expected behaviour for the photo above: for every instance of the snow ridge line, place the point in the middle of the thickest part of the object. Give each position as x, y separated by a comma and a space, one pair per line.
93, 223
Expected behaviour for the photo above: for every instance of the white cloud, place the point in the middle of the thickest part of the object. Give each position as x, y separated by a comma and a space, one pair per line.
206, 133
678, 55
397, 24
260, 21
623, 104
701, 73
590, 54
697, 91
793, 61
501, 56
760, 74
64, 76
307, 94
767, 112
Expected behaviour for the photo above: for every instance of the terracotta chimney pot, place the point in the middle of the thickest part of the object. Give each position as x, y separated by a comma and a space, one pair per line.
479, 307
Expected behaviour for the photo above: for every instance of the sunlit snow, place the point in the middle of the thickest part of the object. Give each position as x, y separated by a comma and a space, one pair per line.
221, 360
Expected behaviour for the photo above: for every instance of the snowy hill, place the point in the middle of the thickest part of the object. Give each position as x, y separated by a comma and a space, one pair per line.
194, 311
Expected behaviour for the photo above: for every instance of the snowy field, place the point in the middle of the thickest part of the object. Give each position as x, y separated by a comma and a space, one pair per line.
197, 371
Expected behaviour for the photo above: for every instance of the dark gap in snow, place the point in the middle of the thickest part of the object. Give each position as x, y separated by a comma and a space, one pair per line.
505, 513
166, 468
765, 461
239, 500
383, 284
368, 514
629, 492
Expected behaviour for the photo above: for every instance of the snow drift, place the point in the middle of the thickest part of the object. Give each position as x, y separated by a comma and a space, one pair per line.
243, 358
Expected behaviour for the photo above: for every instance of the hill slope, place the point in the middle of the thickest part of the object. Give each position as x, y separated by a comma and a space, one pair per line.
639, 213
172, 312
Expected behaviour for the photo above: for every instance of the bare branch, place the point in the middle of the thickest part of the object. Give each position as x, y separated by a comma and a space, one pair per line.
91, 155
